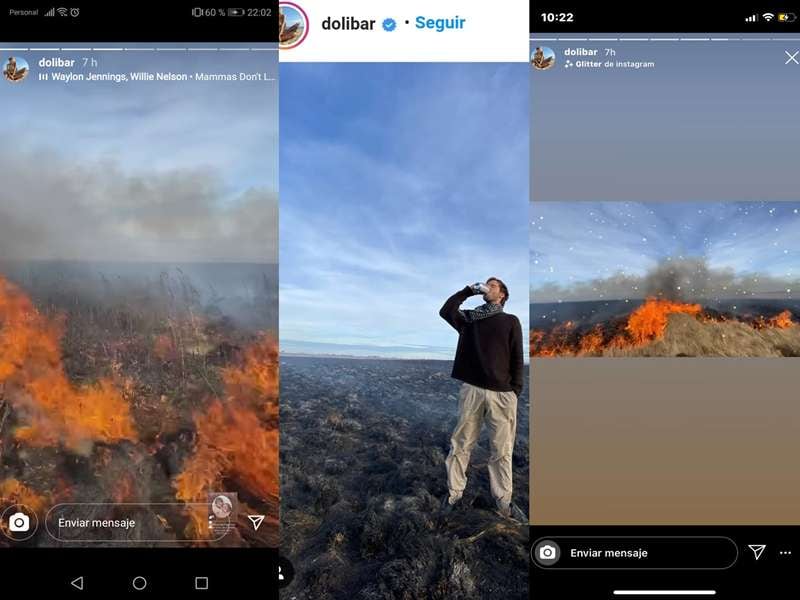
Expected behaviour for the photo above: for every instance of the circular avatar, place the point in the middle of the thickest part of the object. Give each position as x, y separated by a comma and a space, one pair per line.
293, 25
16, 69
222, 507
543, 58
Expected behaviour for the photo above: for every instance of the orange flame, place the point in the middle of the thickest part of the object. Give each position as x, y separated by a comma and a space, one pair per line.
649, 321
782, 320
13, 491
38, 388
237, 438
557, 342
645, 324
591, 342
256, 381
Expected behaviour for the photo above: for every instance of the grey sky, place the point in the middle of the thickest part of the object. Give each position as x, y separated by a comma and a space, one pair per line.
155, 171
712, 121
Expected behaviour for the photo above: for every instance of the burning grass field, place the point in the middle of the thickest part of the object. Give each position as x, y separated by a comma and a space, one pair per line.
662, 327
363, 445
141, 395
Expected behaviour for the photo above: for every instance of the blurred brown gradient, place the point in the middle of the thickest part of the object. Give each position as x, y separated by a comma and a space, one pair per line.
665, 441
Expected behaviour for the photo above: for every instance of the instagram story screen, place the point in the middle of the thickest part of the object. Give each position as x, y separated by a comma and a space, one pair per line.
665, 317
138, 288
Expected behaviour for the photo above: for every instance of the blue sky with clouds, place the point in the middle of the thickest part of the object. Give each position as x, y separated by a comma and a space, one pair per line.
400, 184
576, 242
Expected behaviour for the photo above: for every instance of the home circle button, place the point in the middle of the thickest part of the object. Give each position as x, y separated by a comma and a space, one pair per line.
139, 583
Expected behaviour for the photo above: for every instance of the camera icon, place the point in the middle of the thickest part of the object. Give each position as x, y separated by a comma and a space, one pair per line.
546, 553
19, 522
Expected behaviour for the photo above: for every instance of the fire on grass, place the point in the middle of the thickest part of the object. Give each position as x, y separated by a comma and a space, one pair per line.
642, 326
36, 386
237, 436
236, 431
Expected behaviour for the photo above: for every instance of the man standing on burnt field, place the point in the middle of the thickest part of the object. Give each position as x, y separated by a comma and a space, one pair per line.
489, 362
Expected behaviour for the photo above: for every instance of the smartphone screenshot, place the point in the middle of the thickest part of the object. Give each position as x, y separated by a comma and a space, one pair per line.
138, 299
403, 291
664, 299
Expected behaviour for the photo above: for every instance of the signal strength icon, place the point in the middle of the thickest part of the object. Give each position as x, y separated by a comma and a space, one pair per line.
751, 19
768, 17
50, 13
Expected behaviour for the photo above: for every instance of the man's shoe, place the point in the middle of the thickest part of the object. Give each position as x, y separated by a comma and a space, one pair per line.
447, 508
513, 512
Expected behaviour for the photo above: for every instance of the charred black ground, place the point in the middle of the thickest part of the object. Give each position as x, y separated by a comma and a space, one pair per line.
363, 444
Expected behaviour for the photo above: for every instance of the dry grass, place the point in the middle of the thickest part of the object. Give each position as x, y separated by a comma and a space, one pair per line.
687, 336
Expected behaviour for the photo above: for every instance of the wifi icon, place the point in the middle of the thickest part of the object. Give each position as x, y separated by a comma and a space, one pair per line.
768, 17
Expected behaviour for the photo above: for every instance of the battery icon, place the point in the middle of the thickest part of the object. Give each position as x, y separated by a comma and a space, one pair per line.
235, 12
787, 17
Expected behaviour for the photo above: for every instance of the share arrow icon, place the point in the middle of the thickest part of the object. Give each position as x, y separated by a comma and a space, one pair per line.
758, 549
256, 520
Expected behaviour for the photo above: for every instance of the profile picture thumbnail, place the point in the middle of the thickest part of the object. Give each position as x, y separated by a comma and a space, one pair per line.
15, 69
543, 58
293, 25
222, 507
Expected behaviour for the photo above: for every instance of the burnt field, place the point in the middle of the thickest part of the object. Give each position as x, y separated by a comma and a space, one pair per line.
363, 445
137, 385
656, 326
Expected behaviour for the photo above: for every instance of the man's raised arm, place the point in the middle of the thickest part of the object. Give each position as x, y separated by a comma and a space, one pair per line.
450, 313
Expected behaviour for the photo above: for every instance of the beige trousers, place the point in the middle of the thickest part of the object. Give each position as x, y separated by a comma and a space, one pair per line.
499, 411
